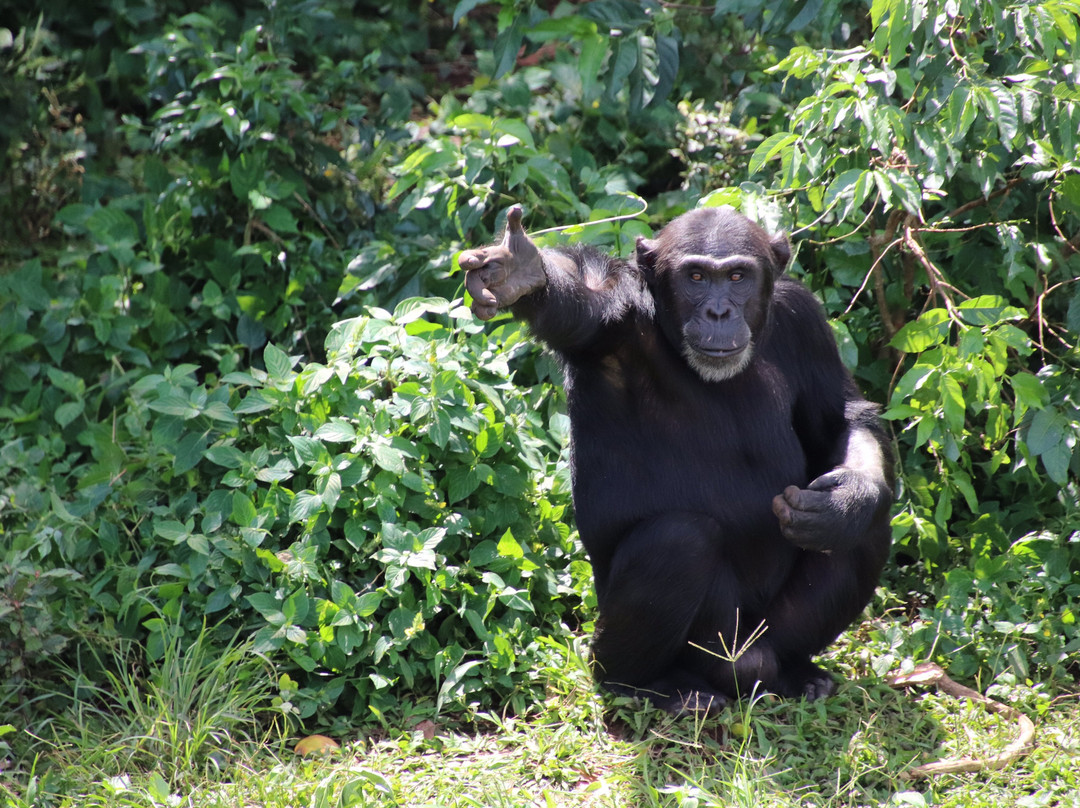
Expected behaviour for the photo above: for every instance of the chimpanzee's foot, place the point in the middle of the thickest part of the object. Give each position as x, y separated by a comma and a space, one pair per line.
699, 703
806, 680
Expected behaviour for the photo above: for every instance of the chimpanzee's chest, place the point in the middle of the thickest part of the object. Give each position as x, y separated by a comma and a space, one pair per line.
648, 442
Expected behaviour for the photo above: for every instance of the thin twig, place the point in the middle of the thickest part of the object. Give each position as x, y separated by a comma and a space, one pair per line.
827, 210
685, 6
318, 221
927, 673
866, 280
975, 203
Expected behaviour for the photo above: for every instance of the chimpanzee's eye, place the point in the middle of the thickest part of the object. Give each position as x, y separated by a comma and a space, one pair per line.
736, 276
697, 277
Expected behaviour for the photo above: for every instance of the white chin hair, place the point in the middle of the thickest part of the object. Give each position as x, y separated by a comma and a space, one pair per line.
718, 369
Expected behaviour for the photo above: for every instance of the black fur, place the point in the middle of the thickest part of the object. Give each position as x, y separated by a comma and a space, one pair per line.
674, 475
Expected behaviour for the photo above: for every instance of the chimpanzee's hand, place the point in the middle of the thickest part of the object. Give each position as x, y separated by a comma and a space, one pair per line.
497, 276
833, 511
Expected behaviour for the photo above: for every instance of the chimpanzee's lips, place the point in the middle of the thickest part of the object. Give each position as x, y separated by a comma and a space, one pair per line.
719, 353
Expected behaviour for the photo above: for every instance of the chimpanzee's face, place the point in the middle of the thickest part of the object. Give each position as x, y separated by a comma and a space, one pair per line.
712, 271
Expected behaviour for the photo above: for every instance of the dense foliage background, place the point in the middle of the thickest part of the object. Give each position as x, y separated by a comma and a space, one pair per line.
242, 399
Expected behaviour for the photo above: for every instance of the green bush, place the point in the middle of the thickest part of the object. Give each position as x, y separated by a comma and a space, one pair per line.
392, 518
390, 521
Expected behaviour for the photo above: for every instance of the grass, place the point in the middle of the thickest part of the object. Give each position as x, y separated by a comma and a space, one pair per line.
185, 734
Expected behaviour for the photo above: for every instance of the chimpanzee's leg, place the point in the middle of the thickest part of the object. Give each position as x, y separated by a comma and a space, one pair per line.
823, 595
659, 576
816, 597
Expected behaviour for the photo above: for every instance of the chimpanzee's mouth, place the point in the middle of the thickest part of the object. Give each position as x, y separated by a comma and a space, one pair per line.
719, 353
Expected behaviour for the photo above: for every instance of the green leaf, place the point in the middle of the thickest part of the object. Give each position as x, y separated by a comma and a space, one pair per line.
464, 7
878, 10
225, 455
330, 489
667, 68
1064, 18
461, 482
309, 450
769, 148
1008, 118
989, 310
111, 227
198, 543
593, 51
60, 508
507, 44
389, 458
440, 428
510, 481
255, 401
219, 411
279, 219
172, 530
952, 399
189, 451
222, 598
268, 606
508, 546
336, 431
721, 197
516, 130
849, 350
932, 328
296, 606
245, 174
368, 603
905, 189
28, 285
243, 509
304, 505
175, 404
1056, 461
1029, 390
453, 682
414, 308
1047, 431
848, 184
68, 412
620, 66
278, 364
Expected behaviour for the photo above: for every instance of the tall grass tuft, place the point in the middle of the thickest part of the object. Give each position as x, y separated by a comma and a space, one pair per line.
184, 715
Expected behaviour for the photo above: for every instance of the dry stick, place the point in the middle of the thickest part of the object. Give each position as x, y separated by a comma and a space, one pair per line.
927, 673
938, 284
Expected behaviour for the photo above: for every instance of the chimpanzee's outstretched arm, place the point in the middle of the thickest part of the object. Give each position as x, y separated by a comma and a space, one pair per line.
565, 295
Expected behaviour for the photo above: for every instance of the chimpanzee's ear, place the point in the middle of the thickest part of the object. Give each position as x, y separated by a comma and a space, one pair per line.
781, 253
645, 255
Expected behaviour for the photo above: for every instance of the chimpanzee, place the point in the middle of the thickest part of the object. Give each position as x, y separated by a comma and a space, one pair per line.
727, 474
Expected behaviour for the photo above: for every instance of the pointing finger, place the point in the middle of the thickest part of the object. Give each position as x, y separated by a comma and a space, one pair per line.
514, 229
513, 218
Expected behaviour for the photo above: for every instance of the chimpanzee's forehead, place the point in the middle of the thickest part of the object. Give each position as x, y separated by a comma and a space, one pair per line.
715, 231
